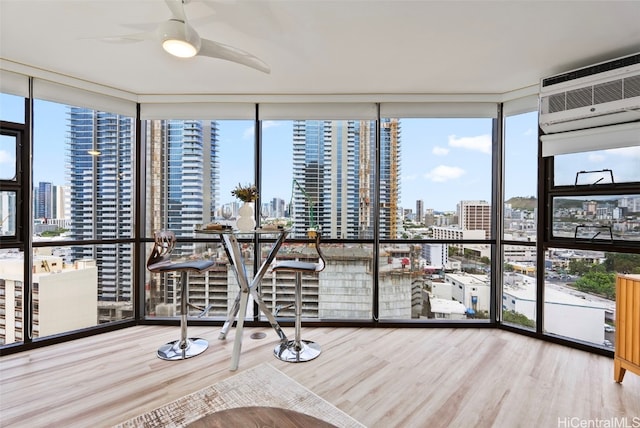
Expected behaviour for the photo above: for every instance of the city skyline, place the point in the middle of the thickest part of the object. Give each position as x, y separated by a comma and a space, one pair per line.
443, 161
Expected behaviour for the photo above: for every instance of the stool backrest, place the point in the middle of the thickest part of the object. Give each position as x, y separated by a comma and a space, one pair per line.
321, 261
165, 241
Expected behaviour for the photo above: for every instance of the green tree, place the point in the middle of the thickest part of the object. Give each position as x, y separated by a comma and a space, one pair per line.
619, 262
579, 267
598, 282
513, 317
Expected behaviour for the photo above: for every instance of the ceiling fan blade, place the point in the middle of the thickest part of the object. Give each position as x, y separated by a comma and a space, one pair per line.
126, 38
177, 10
218, 50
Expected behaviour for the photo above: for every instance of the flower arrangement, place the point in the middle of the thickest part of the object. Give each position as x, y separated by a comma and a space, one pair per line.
248, 193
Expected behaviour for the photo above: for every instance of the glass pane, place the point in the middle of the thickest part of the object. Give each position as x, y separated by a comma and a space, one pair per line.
597, 218
326, 295
11, 108
73, 287
83, 171
519, 286
193, 166
211, 290
11, 298
435, 178
580, 293
520, 177
329, 181
8, 160
8, 213
278, 187
435, 281
597, 167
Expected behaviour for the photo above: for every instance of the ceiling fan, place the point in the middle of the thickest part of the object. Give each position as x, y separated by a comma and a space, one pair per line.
181, 40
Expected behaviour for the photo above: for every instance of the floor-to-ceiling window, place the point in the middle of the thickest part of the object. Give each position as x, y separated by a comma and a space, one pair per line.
520, 220
593, 217
406, 200
324, 170
83, 217
436, 213
13, 135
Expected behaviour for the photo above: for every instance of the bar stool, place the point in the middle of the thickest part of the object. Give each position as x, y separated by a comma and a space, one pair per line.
160, 262
298, 350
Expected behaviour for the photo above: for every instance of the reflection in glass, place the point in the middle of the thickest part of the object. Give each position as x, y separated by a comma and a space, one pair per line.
8, 207
597, 218
11, 298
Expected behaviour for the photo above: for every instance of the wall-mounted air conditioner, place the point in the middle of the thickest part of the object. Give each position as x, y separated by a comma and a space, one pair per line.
601, 94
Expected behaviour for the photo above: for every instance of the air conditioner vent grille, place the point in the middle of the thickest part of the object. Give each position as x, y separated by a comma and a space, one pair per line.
593, 95
592, 70
632, 86
555, 103
607, 92
579, 98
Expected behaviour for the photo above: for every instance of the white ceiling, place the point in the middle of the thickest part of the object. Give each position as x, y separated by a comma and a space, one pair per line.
323, 46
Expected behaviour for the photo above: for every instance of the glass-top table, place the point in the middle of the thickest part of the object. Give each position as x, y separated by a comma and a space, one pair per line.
229, 239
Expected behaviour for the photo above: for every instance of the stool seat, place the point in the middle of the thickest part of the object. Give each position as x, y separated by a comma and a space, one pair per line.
198, 266
294, 265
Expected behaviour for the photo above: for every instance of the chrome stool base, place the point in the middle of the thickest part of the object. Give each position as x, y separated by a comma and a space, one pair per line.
289, 352
172, 351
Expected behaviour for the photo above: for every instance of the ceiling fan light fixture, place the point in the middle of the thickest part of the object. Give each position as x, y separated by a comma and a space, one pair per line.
179, 48
179, 39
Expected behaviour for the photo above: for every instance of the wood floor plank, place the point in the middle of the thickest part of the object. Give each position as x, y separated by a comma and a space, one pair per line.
383, 377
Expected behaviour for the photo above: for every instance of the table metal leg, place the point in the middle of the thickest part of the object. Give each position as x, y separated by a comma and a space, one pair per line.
231, 317
272, 320
237, 344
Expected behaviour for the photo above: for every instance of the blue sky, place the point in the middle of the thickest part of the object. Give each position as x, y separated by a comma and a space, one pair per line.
443, 161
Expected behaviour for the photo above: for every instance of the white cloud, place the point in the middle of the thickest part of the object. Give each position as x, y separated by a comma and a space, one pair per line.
5, 157
412, 177
443, 173
629, 152
596, 158
481, 143
440, 151
250, 131
528, 132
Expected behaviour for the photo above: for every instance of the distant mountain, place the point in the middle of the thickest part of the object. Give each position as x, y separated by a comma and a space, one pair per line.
521, 203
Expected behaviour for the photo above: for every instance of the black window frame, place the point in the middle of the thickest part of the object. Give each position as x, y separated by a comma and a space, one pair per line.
17, 184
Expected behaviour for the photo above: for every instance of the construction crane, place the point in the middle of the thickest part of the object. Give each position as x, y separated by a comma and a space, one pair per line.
312, 220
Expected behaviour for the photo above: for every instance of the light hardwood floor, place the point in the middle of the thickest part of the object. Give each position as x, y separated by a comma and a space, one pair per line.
382, 377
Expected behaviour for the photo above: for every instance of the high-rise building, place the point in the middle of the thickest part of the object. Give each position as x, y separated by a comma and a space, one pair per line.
44, 201
182, 184
183, 177
419, 211
333, 172
100, 148
475, 215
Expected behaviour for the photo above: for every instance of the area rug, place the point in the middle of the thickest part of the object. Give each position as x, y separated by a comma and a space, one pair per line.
263, 386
